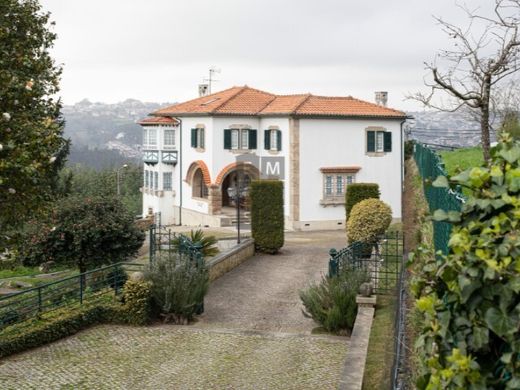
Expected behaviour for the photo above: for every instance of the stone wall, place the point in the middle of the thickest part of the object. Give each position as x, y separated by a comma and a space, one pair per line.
226, 261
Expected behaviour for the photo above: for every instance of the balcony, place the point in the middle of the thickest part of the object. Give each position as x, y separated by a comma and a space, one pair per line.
169, 157
151, 156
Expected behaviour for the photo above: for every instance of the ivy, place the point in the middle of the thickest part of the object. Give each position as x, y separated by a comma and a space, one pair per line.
470, 299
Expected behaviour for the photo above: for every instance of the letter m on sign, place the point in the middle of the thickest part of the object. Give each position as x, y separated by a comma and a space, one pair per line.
273, 167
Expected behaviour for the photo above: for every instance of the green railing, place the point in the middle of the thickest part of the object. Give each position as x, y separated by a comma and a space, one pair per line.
430, 166
74, 290
382, 260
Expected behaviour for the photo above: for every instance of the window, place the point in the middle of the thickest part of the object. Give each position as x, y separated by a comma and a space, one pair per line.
156, 181
146, 179
199, 188
152, 137
145, 136
239, 139
197, 138
273, 140
169, 138
167, 181
335, 184
379, 141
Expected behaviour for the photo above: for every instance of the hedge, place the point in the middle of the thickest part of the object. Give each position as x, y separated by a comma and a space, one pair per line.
267, 219
357, 192
67, 321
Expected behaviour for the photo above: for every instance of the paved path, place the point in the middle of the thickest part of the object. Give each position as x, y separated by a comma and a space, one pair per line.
252, 336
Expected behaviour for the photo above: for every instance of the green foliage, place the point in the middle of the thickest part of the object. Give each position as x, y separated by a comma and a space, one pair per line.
470, 298
461, 159
116, 277
408, 149
207, 244
267, 219
32, 148
179, 285
332, 302
356, 192
136, 307
369, 219
511, 125
83, 232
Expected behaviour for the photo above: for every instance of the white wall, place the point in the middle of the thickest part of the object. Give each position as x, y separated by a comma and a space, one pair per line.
338, 143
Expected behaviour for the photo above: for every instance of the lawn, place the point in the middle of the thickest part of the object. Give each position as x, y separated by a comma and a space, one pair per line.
462, 159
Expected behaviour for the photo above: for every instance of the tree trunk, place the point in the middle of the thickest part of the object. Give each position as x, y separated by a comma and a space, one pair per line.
484, 119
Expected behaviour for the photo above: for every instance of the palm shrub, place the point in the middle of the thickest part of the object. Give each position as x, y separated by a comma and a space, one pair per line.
356, 192
332, 301
207, 245
470, 299
267, 219
179, 285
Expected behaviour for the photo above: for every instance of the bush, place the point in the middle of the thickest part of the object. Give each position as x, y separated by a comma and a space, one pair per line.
408, 149
356, 192
470, 298
207, 244
369, 219
136, 306
267, 218
178, 286
332, 302
116, 277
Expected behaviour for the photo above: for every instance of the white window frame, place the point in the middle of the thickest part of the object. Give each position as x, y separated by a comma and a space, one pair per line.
274, 140
152, 137
145, 136
167, 138
379, 141
156, 181
244, 139
167, 181
235, 139
331, 191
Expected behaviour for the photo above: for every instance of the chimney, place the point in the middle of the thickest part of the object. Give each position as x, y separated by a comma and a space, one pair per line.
381, 98
203, 90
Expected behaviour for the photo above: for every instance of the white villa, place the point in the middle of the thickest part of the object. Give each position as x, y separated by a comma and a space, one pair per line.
317, 145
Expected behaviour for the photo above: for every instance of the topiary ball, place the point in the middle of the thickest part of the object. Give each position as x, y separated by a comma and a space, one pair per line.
368, 219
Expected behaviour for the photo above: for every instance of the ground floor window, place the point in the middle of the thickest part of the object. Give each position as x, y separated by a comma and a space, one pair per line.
167, 181
199, 187
335, 183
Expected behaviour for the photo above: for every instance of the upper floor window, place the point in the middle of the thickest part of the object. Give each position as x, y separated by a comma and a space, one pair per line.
273, 140
197, 138
239, 139
379, 141
152, 137
167, 181
169, 138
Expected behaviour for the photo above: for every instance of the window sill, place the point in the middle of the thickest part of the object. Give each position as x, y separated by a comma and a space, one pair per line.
241, 151
172, 147
376, 154
334, 202
274, 152
200, 150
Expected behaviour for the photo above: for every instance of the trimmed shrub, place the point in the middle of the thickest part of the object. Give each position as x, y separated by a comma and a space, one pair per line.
332, 302
369, 219
178, 288
356, 192
267, 219
136, 306
470, 298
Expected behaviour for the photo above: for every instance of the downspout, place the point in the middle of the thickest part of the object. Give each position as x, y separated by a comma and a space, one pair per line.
180, 170
402, 164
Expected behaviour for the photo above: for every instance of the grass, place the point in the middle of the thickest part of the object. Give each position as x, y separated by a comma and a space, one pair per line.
462, 159
19, 271
381, 345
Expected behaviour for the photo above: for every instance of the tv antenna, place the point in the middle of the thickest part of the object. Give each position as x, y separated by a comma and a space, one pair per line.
210, 80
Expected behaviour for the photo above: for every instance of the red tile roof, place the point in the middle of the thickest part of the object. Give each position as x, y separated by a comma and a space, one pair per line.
158, 120
249, 101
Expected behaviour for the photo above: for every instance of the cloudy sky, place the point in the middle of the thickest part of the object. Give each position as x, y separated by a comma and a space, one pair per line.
160, 50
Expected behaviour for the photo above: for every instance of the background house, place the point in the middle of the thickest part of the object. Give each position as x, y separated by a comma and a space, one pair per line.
320, 144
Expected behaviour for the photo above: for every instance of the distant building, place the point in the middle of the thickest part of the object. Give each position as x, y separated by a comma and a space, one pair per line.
317, 145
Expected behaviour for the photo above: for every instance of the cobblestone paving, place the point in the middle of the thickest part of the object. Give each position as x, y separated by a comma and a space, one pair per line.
252, 336
171, 357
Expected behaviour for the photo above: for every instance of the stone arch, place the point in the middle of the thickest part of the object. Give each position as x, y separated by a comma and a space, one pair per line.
199, 179
246, 167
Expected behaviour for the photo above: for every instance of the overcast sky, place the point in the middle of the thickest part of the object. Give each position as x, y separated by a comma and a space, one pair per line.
160, 50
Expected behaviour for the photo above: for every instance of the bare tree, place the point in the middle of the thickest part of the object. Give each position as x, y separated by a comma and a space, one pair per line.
485, 53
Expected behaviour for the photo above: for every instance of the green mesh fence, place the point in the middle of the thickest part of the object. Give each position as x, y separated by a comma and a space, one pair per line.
430, 167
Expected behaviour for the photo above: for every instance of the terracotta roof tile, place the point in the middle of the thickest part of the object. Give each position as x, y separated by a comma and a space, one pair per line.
158, 120
249, 101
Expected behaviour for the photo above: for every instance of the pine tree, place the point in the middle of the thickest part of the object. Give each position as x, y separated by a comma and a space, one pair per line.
32, 147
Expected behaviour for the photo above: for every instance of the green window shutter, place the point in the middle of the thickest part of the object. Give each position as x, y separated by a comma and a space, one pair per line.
278, 140
267, 139
201, 138
193, 138
371, 141
387, 141
252, 139
227, 138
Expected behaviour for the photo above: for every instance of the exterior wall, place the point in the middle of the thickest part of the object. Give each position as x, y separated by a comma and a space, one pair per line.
339, 143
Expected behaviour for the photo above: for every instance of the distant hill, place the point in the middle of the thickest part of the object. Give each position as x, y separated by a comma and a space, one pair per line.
103, 133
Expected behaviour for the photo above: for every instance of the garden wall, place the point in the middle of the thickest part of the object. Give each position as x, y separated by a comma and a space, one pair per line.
226, 261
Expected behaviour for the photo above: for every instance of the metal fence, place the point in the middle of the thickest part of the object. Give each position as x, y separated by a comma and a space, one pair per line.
163, 239
430, 166
74, 290
382, 260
